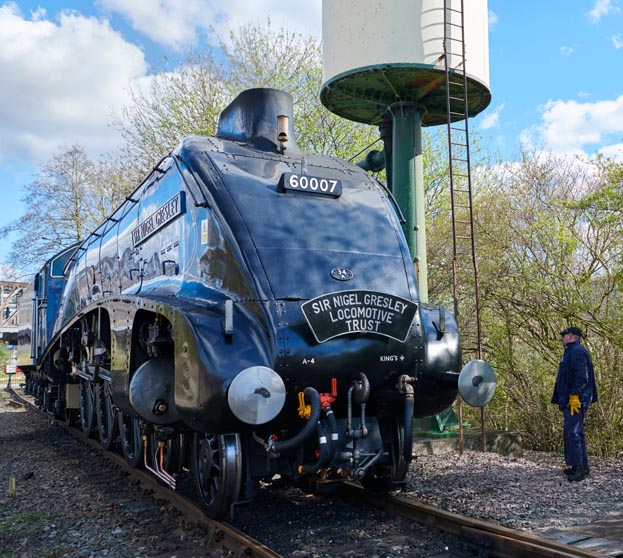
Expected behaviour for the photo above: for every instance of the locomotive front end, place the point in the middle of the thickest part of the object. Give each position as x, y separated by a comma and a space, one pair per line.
353, 355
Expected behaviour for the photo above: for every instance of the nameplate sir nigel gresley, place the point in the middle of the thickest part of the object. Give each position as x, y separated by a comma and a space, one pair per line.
344, 312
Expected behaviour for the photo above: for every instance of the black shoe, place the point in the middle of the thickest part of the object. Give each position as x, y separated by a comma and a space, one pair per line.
570, 470
579, 474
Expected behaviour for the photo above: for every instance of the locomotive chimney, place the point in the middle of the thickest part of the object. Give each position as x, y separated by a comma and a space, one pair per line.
262, 118
282, 128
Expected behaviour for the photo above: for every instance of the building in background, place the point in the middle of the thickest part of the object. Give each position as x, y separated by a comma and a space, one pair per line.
10, 292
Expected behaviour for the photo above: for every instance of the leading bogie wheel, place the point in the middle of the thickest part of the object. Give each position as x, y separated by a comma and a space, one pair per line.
381, 478
217, 471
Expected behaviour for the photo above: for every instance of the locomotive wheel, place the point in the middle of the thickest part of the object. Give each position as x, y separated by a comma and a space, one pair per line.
70, 417
131, 440
87, 407
107, 427
217, 471
399, 464
378, 480
383, 477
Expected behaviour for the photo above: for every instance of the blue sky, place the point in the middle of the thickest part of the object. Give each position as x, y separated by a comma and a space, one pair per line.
556, 72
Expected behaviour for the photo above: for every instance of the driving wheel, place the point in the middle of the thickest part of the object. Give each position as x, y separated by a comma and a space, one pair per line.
87, 407
105, 411
131, 439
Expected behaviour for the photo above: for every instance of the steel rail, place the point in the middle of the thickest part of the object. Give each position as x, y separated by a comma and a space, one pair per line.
219, 533
489, 539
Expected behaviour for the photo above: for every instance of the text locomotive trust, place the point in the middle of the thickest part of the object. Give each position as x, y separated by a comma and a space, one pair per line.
359, 311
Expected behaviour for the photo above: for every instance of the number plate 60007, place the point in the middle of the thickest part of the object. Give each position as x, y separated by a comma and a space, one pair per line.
311, 184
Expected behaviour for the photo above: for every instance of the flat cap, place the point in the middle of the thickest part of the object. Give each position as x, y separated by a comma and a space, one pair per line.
573, 330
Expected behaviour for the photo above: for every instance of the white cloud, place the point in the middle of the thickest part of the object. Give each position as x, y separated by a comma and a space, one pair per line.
573, 127
167, 22
603, 8
617, 40
178, 24
566, 51
61, 81
492, 118
614, 152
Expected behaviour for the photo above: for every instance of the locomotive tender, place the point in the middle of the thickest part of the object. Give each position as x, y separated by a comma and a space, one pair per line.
250, 309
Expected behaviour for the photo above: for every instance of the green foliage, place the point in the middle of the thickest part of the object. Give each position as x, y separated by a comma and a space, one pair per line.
260, 56
181, 103
4, 355
549, 247
188, 101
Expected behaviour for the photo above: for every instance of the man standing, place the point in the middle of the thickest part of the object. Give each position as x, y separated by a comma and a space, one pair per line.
574, 391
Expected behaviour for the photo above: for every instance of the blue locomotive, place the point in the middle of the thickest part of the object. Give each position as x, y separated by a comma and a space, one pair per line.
250, 309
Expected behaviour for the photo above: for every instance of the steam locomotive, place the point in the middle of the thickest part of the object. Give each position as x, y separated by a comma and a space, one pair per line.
250, 309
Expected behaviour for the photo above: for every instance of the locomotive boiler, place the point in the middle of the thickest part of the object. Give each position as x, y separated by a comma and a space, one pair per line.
249, 310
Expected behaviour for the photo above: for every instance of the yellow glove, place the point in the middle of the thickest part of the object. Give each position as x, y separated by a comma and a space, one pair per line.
574, 404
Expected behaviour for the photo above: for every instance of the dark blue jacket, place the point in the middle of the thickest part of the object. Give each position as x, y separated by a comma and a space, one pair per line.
575, 376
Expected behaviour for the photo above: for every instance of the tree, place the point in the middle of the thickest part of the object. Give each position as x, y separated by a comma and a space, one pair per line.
114, 178
547, 261
264, 57
55, 203
189, 100
70, 196
182, 103
4, 355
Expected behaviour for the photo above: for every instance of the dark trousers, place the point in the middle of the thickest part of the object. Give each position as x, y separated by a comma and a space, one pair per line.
573, 434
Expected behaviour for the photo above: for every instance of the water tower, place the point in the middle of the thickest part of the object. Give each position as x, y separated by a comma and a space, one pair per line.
401, 65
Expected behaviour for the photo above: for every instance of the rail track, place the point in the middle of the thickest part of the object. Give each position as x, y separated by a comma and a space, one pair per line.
219, 534
484, 538
477, 538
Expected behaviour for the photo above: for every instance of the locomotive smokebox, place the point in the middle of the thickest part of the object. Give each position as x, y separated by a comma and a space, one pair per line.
253, 117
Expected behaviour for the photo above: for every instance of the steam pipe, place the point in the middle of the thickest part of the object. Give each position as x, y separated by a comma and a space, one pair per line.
322, 458
405, 386
327, 451
275, 446
334, 434
408, 427
158, 469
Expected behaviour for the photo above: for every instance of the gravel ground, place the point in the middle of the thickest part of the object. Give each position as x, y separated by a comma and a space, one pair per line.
67, 506
302, 525
529, 493
80, 509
